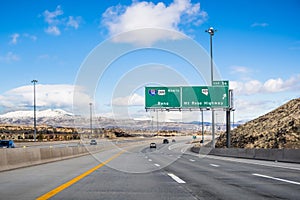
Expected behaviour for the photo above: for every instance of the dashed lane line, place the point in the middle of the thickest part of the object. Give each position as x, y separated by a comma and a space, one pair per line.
176, 178
213, 165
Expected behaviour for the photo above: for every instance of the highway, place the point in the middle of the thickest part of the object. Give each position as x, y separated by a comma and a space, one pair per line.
137, 172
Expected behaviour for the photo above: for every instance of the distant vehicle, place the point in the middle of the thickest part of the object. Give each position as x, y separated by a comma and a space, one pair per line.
93, 142
173, 140
165, 141
152, 145
7, 144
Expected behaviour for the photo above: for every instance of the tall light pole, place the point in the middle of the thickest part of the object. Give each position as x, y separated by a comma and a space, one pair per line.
34, 108
152, 123
157, 122
91, 119
211, 32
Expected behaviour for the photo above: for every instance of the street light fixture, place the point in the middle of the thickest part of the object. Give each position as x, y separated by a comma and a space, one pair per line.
211, 32
34, 108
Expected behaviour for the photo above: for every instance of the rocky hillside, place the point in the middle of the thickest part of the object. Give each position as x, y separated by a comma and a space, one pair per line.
279, 128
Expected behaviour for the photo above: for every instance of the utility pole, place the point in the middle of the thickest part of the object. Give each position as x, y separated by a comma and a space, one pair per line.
34, 108
211, 32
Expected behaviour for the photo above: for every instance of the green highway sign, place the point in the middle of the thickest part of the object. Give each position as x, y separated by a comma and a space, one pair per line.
220, 83
162, 97
188, 97
205, 97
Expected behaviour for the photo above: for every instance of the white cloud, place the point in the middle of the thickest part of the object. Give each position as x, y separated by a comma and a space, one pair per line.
140, 15
247, 109
51, 17
55, 21
9, 57
47, 96
269, 86
132, 100
74, 22
256, 24
14, 38
240, 70
53, 30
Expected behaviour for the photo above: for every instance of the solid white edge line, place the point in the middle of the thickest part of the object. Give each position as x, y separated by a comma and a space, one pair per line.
247, 161
176, 178
277, 179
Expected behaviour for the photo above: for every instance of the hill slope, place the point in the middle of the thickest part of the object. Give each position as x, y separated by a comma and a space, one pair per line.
279, 128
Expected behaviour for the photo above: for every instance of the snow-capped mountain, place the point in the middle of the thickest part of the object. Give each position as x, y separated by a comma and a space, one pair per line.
49, 116
39, 114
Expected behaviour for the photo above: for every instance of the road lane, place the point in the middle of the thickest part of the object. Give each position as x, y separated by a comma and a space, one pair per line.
218, 179
32, 182
162, 173
129, 176
76, 179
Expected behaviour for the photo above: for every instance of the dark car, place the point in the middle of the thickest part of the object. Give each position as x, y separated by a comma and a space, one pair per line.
7, 144
173, 140
165, 141
152, 145
93, 142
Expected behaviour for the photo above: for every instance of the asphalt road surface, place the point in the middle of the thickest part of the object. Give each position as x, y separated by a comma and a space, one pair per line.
170, 171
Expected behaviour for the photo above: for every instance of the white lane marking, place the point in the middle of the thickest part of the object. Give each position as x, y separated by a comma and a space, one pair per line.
173, 146
149, 160
146, 157
277, 179
192, 160
170, 155
176, 178
157, 165
214, 165
184, 149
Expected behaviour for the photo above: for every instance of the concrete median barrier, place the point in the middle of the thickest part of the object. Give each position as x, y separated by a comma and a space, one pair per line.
282, 155
23, 157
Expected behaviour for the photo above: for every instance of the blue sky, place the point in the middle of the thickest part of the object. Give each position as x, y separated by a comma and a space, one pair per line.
256, 47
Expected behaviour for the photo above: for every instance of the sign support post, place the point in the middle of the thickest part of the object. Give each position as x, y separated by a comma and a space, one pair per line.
228, 128
202, 127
